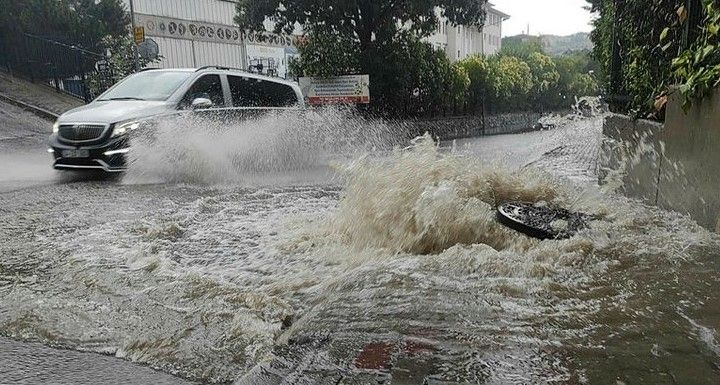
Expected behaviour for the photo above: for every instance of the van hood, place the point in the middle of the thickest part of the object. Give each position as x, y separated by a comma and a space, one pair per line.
114, 111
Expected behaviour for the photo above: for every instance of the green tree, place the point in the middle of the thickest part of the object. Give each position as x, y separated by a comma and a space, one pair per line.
511, 83
382, 38
697, 68
477, 69
326, 55
80, 22
368, 21
409, 77
578, 74
521, 46
545, 78
644, 48
121, 63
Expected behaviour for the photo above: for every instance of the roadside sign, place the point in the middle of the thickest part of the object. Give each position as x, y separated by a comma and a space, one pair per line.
148, 49
139, 34
350, 89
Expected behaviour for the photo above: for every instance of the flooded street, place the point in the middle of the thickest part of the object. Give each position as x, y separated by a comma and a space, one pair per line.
368, 266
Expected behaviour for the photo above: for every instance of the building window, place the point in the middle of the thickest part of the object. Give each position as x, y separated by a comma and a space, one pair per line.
458, 55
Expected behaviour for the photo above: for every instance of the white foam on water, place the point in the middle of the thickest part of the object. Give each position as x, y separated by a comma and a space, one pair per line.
202, 277
707, 336
283, 145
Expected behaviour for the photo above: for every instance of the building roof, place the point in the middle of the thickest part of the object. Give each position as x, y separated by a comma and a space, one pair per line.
491, 8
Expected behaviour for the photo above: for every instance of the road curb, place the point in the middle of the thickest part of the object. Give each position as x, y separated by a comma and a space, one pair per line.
39, 111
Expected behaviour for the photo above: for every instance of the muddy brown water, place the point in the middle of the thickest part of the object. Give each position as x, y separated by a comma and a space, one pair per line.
391, 271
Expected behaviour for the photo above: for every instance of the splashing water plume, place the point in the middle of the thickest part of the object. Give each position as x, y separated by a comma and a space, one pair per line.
422, 201
230, 150
400, 252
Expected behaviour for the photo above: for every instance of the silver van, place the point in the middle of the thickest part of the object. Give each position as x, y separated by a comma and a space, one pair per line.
97, 136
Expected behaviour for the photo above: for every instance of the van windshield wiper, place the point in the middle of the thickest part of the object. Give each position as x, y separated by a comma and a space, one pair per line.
122, 98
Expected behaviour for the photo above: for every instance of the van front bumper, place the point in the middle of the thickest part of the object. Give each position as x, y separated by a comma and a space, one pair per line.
109, 156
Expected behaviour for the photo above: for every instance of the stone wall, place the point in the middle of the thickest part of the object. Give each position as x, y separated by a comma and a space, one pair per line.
675, 166
448, 128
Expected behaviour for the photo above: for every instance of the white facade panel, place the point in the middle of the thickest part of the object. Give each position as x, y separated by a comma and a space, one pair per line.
212, 11
176, 53
195, 33
229, 55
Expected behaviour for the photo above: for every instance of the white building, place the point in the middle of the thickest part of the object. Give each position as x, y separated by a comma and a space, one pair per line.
195, 33
461, 41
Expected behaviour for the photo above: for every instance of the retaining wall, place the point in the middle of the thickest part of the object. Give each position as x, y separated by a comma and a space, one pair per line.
675, 166
448, 128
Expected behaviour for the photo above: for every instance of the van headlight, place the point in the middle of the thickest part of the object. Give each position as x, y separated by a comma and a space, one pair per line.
123, 128
56, 127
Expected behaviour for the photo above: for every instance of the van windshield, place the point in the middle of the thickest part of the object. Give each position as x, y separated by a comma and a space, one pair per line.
149, 85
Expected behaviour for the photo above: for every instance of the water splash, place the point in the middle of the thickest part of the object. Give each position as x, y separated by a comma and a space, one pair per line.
422, 201
288, 143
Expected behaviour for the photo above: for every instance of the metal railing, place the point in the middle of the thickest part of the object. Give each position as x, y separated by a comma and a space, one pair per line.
65, 67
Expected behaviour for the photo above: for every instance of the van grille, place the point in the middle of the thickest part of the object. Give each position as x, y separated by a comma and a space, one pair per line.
81, 132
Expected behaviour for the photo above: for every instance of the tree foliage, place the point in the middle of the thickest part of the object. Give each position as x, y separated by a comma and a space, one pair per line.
382, 38
545, 76
646, 37
408, 76
367, 21
536, 82
80, 22
698, 67
326, 55
521, 46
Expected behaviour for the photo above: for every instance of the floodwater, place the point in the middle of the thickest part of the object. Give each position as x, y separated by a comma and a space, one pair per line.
276, 257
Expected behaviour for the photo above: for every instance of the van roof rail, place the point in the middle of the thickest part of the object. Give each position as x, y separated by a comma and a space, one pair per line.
219, 68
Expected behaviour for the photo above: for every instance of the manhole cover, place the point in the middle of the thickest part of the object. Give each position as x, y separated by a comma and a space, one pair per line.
540, 221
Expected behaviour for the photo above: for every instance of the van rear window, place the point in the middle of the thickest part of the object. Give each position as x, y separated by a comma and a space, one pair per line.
248, 92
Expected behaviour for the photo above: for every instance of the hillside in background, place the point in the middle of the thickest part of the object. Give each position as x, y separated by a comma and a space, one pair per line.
555, 45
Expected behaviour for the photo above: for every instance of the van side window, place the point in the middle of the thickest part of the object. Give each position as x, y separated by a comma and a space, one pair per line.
209, 87
249, 92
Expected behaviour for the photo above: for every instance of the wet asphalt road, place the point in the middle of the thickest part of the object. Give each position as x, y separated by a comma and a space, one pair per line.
25, 164
33, 363
225, 282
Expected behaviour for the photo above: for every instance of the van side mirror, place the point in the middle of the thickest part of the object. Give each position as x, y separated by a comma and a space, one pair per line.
201, 103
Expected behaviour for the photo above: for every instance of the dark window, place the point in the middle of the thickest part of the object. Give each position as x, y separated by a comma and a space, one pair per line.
249, 92
209, 87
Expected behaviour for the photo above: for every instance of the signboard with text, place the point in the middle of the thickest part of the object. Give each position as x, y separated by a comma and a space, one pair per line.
139, 34
349, 89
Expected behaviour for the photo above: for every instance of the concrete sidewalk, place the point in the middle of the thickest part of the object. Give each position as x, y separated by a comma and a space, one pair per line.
36, 95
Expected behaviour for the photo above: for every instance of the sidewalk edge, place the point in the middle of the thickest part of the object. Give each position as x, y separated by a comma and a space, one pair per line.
39, 111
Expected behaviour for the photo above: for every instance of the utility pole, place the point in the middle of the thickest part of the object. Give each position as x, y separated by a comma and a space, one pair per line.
136, 54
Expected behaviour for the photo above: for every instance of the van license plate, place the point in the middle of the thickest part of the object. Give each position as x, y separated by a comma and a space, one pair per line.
75, 153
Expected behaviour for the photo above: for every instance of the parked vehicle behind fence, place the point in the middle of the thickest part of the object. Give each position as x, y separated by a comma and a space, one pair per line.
97, 136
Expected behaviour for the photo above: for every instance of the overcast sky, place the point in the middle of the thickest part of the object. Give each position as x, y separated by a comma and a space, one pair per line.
555, 17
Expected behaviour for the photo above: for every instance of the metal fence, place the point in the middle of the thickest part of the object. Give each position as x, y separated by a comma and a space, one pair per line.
67, 68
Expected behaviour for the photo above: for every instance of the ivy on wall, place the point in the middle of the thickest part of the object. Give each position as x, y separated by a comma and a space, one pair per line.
645, 47
697, 68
